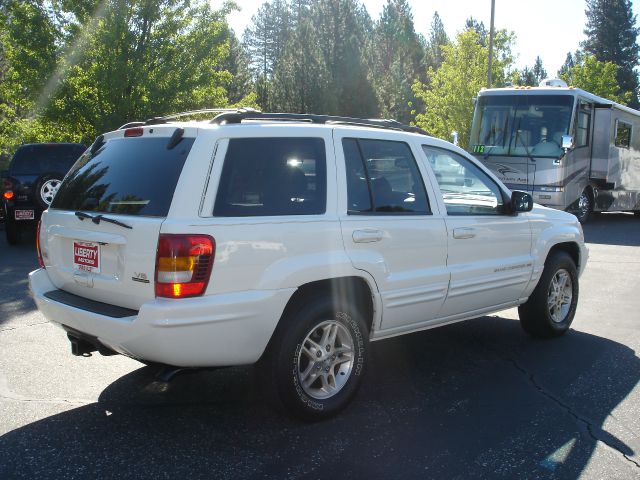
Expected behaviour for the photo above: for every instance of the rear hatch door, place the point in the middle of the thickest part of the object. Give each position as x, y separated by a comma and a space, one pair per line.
100, 235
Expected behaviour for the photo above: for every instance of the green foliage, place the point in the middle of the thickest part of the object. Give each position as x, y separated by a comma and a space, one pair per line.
437, 39
598, 78
398, 60
27, 58
81, 67
612, 37
448, 99
324, 67
529, 77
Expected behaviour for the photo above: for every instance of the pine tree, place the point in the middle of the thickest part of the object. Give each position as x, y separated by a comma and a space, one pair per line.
437, 38
538, 71
265, 41
398, 62
237, 64
612, 37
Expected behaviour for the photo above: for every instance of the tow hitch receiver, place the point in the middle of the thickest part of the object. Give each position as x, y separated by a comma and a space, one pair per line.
80, 347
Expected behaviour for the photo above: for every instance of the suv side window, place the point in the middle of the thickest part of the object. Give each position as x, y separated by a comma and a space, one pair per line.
273, 176
383, 177
465, 188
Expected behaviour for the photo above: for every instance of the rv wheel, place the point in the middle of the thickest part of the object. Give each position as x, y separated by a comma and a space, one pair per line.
583, 207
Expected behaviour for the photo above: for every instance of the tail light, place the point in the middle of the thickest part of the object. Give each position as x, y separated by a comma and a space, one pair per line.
38, 249
7, 186
183, 265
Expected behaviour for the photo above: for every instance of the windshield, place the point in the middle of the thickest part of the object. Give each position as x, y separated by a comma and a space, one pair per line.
521, 125
45, 158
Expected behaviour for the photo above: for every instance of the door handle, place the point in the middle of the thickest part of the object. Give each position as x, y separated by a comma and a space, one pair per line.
464, 232
367, 236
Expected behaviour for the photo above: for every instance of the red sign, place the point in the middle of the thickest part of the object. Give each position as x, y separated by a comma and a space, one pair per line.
86, 256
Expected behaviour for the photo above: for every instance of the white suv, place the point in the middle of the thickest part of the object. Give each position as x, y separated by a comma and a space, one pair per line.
292, 241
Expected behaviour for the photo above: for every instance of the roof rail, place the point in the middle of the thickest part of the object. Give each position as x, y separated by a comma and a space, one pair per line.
166, 118
237, 116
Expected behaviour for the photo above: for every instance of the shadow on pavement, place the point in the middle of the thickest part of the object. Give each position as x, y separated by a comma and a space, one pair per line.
613, 229
472, 400
16, 261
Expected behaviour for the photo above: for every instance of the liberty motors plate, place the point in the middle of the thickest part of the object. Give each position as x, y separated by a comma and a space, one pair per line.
86, 256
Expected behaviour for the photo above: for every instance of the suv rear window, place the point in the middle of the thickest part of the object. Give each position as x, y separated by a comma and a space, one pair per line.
132, 176
273, 176
46, 158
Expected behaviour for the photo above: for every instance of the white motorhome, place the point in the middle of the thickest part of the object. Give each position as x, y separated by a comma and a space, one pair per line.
570, 149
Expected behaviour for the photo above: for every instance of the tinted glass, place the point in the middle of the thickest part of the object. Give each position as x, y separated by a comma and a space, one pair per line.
132, 176
358, 195
272, 176
386, 172
623, 135
47, 158
465, 188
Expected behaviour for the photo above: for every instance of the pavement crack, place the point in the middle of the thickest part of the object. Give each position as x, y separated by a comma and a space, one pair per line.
7, 329
567, 408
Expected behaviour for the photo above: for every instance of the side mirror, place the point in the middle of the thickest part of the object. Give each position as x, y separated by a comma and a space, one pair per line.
567, 142
521, 201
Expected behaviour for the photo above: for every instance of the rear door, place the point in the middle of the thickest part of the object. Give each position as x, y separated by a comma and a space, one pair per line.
389, 228
99, 237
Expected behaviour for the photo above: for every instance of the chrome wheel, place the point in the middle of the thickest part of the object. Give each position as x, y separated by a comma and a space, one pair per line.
325, 359
560, 296
49, 190
583, 206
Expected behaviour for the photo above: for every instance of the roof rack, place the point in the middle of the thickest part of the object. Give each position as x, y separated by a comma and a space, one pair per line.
173, 116
227, 116
237, 116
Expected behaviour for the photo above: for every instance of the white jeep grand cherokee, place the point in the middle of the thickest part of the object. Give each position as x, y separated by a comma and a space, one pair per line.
292, 241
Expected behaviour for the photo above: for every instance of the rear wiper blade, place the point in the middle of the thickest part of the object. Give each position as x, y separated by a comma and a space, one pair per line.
98, 218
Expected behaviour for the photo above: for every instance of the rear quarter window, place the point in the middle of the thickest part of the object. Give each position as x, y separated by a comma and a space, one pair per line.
132, 176
272, 176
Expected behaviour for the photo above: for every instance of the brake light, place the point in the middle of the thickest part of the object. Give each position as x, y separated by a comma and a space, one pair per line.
183, 265
8, 195
38, 249
134, 132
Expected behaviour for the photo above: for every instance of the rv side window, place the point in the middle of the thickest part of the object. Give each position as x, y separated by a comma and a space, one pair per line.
623, 134
584, 125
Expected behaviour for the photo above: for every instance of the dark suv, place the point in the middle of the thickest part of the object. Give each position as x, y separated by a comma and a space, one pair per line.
33, 178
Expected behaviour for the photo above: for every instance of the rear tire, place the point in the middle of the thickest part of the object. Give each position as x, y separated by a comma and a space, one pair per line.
552, 305
318, 359
12, 231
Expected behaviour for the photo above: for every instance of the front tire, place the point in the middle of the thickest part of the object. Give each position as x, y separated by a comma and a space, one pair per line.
319, 358
552, 305
582, 208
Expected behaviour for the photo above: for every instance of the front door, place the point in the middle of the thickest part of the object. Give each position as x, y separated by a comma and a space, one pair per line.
489, 252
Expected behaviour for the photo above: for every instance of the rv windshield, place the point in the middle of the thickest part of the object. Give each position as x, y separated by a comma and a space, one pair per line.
521, 125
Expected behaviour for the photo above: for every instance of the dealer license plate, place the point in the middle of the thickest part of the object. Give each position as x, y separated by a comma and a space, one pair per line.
24, 215
86, 256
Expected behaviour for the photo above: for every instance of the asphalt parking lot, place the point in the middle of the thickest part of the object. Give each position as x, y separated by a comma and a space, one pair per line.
478, 399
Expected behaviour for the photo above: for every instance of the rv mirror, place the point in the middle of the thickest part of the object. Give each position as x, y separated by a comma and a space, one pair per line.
567, 142
521, 201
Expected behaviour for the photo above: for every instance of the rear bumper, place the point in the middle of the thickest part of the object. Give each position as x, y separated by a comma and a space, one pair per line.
217, 330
